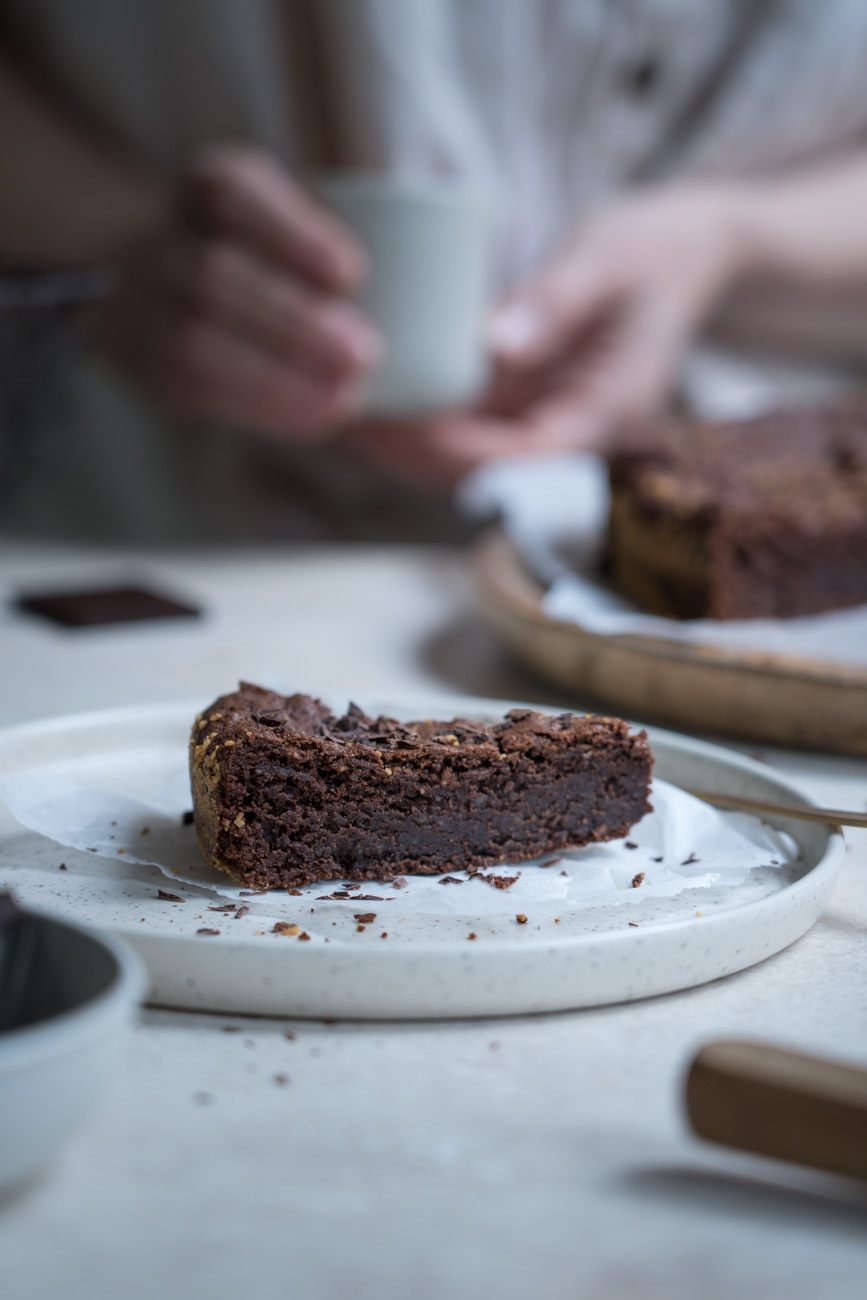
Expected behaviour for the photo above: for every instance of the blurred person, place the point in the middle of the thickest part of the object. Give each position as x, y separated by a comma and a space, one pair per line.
655, 167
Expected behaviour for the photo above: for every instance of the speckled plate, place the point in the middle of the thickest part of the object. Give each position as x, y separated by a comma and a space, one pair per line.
589, 957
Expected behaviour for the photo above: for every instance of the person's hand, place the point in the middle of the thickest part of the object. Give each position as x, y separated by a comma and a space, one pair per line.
235, 310
592, 344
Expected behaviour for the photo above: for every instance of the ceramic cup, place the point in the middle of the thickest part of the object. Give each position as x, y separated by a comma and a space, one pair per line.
428, 286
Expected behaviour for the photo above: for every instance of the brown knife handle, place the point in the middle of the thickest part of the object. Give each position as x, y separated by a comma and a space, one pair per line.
780, 1104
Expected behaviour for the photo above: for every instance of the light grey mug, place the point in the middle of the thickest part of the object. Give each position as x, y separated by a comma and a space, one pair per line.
428, 287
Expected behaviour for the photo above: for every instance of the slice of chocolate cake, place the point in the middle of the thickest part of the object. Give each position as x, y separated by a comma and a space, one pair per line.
762, 518
286, 793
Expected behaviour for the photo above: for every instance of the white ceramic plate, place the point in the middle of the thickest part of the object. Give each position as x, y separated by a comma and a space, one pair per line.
426, 968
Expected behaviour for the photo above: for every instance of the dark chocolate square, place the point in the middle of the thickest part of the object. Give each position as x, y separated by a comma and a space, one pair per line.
103, 605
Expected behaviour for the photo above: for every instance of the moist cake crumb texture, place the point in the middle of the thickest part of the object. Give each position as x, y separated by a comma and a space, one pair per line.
285, 793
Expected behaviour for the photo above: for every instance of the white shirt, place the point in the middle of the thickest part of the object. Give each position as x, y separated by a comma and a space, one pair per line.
550, 105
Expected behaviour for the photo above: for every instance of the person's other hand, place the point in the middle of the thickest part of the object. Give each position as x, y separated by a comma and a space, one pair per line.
235, 308
592, 344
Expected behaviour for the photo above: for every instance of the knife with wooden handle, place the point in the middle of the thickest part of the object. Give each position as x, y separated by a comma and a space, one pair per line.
776, 1103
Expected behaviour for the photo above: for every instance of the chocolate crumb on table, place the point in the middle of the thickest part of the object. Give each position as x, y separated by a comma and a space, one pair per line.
207, 931
365, 917
689, 861
62, 867
286, 793
634, 924
630, 844
521, 918
170, 898
471, 935
449, 880
187, 817
638, 880
285, 927
242, 911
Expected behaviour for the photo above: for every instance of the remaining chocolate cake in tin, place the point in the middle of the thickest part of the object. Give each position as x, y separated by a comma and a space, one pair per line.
285, 793
755, 519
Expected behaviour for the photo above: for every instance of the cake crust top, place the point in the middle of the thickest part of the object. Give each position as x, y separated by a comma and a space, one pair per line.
808, 465
257, 713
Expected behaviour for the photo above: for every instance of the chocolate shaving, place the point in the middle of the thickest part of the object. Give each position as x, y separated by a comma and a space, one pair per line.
170, 898
398, 883
340, 894
688, 861
365, 917
205, 931
252, 893
550, 862
242, 911
272, 717
449, 880
227, 907
630, 844
284, 927
496, 882
638, 880
521, 918
303, 935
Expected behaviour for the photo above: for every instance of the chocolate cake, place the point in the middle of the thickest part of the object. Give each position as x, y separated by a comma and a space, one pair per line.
761, 518
285, 793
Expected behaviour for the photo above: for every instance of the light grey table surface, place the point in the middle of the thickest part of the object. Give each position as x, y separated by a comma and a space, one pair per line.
536, 1156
